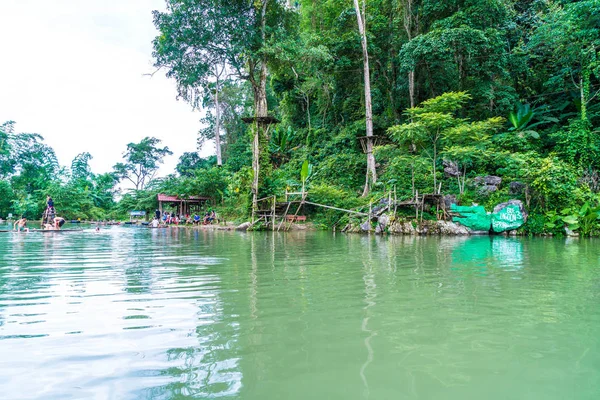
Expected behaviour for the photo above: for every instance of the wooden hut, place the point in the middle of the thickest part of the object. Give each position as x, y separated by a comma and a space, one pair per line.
187, 205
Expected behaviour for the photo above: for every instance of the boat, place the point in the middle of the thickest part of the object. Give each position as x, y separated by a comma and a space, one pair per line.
74, 221
45, 231
56, 230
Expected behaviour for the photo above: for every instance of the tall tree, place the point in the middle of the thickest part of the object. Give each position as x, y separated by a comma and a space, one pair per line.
80, 167
371, 176
142, 160
197, 35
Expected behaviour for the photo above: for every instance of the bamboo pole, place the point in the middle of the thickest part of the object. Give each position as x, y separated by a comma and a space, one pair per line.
337, 208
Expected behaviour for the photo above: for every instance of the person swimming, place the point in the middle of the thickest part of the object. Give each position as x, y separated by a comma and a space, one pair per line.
58, 222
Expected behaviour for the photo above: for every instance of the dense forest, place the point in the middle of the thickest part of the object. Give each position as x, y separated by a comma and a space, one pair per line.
376, 95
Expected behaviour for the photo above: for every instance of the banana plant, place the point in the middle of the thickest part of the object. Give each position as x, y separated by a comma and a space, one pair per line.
305, 173
521, 120
583, 220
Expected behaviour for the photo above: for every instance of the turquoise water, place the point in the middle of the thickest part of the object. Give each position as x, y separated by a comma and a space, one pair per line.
132, 313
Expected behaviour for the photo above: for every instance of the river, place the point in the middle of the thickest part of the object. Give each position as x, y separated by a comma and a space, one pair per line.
133, 313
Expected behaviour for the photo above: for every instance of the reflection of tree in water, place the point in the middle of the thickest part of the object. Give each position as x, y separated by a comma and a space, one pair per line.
209, 365
369, 299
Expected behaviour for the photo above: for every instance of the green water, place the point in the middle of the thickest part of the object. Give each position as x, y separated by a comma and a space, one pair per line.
131, 313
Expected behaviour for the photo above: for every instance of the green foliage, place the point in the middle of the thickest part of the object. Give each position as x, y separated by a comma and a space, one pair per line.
189, 162
583, 220
141, 162
552, 181
305, 173
454, 67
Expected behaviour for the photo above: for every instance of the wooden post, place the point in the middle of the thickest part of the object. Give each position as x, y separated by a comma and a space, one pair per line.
395, 201
416, 205
273, 214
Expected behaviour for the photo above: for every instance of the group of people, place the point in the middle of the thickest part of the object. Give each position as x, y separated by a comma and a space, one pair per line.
171, 218
50, 221
167, 218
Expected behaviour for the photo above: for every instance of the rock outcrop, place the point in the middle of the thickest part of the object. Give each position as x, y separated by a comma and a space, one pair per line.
487, 184
243, 227
508, 216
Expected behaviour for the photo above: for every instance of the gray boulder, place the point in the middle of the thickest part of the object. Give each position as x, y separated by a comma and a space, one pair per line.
448, 200
243, 227
382, 223
487, 184
451, 169
516, 188
488, 189
366, 226
508, 216
492, 180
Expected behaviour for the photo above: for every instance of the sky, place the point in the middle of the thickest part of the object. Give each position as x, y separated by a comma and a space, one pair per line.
73, 71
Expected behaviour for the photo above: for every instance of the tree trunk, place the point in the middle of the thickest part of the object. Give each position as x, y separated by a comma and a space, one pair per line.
371, 175
408, 27
260, 143
218, 125
411, 87
434, 165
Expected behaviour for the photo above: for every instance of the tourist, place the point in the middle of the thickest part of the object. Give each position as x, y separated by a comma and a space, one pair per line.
157, 214
58, 222
155, 223
21, 224
196, 219
50, 203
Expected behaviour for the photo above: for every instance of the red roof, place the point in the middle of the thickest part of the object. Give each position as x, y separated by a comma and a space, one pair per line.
165, 197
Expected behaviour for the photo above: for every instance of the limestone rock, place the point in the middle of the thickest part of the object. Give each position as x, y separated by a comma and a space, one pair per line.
488, 188
451, 228
508, 216
382, 223
487, 184
448, 200
570, 233
243, 227
516, 188
451, 169
366, 226
492, 180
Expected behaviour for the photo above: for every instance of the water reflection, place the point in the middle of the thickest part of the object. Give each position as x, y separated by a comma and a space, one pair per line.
132, 313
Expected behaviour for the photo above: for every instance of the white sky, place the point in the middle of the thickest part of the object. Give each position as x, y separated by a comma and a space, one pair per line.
72, 71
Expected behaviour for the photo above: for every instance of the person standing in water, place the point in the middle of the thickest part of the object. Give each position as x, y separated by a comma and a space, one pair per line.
21, 224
